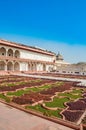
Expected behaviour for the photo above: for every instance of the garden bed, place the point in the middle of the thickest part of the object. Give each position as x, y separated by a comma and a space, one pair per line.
31, 93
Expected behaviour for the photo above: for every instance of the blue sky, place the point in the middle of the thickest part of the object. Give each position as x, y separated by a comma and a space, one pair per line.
56, 25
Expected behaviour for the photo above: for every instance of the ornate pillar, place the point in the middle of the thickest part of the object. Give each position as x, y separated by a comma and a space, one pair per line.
6, 52
13, 66
6, 67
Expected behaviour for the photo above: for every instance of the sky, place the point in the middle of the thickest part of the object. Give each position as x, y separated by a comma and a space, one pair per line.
54, 25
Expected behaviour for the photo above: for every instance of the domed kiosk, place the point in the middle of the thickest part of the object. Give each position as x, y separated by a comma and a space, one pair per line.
59, 57
60, 60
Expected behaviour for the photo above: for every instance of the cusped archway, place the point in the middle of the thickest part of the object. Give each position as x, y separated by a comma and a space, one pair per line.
32, 67
35, 67
2, 51
2, 65
17, 54
44, 67
10, 52
29, 67
9, 66
16, 66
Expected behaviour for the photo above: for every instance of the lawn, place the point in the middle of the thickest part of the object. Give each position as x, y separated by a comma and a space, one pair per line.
16, 93
2, 96
32, 89
39, 108
28, 90
57, 102
74, 94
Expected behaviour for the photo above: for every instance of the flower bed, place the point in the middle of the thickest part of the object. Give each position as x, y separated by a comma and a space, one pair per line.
78, 105
53, 90
30, 98
15, 86
72, 116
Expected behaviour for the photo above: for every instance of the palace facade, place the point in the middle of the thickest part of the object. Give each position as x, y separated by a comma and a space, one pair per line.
18, 57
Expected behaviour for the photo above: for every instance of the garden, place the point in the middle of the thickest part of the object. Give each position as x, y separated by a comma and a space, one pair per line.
52, 98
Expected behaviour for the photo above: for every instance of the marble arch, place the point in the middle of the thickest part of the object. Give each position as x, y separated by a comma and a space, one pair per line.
17, 54
10, 66
2, 65
2, 51
16, 66
10, 52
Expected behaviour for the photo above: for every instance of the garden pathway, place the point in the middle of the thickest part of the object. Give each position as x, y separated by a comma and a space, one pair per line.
14, 119
82, 81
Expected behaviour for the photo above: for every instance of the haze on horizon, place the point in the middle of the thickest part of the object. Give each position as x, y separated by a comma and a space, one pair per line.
58, 26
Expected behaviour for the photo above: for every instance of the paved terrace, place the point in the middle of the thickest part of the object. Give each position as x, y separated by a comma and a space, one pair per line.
82, 81
14, 119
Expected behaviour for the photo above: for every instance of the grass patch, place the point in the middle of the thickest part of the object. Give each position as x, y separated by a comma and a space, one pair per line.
77, 91
17, 93
44, 111
7, 99
57, 102
27, 90
18, 83
75, 94
32, 89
